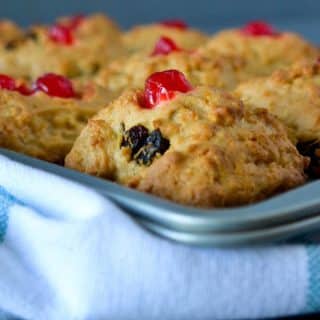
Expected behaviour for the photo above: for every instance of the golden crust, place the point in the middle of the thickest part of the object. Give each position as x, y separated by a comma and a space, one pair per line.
8, 31
143, 38
220, 153
220, 71
264, 54
293, 95
98, 40
45, 127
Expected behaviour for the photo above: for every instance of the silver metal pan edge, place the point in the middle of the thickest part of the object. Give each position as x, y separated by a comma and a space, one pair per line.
294, 205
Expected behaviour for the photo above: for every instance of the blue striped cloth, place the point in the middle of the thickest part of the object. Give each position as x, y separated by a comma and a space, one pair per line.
67, 253
6, 200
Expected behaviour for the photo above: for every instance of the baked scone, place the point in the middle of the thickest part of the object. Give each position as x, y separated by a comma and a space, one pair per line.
143, 38
45, 123
264, 48
196, 146
73, 47
218, 70
8, 31
292, 94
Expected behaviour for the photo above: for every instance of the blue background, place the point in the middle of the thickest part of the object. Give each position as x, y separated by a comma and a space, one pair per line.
302, 16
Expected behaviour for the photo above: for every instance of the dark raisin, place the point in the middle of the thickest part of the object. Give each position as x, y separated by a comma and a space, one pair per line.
14, 43
311, 149
156, 139
146, 154
95, 67
155, 143
144, 146
31, 34
135, 138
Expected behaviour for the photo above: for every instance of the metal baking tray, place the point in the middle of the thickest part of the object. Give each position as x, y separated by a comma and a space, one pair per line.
281, 216
287, 231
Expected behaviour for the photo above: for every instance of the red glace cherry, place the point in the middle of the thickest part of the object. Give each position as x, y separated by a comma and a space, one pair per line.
55, 85
162, 86
258, 29
164, 46
177, 24
24, 90
7, 82
61, 34
52, 84
75, 21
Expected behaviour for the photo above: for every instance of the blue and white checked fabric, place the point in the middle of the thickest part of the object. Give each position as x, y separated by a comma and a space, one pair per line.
67, 253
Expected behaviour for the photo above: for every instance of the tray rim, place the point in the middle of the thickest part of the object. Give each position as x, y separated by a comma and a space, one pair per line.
235, 239
183, 218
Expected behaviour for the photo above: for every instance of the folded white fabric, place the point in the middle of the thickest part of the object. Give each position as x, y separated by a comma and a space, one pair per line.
67, 253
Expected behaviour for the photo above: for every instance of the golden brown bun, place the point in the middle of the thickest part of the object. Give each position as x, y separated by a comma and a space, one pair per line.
218, 70
219, 154
45, 127
293, 95
143, 38
9, 31
97, 41
264, 54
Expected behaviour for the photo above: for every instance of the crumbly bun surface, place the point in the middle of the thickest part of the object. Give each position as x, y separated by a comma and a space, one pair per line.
45, 127
221, 71
97, 42
8, 31
293, 95
143, 38
264, 54
217, 152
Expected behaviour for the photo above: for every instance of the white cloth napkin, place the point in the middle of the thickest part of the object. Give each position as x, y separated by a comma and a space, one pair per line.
67, 253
